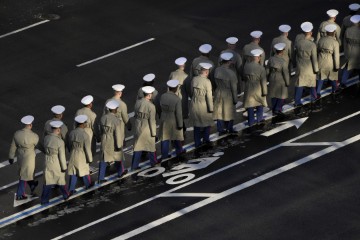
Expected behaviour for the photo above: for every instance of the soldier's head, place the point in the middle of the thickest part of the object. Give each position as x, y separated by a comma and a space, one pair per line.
256, 35
279, 48
330, 29
56, 127
173, 85
180, 62
256, 55
80, 121
355, 20
205, 69
332, 13
27, 121
118, 90
87, 101
112, 105
354, 8
148, 91
205, 50
226, 58
307, 28
149, 79
231, 42
285, 29
58, 111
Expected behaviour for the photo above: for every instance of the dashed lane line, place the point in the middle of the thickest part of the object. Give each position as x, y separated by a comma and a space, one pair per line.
24, 28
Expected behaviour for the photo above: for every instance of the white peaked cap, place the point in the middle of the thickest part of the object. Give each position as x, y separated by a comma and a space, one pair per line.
205, 65
256, 52
149, 77
284, 28
148, 89
330, 28
173, 83
81, 118
355, 19
87, 100
354, 6
58, 109
205, 48
112, 104
280, 46
118, 87
332, 12
256, 34
307, 26
180, 61
232, 40
226, 56
56, 124
27, 119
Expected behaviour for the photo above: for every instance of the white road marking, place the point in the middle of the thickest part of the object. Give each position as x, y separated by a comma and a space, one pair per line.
189, 195
116, 52
285, 125
221, 170
24, 28
226, 193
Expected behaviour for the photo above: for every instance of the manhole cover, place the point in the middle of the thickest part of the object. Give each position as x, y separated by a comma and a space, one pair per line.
49, 16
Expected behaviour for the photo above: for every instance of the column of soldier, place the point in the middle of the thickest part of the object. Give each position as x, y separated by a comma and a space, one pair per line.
208, 93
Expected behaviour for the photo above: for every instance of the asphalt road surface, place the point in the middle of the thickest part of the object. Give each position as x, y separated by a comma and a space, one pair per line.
295, 184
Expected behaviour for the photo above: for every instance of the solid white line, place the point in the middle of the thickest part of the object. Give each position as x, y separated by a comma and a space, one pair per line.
116, 52
309, 144
189, 195
203, 177
235, 189
22, 29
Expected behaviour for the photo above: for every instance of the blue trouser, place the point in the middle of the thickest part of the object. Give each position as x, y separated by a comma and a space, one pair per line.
137, 157
345, 75
299, 91
223, 126
102, 169
165, 145
21, 187
47, 190
277, 104
259, 114
201, 132
319, 84
73, 180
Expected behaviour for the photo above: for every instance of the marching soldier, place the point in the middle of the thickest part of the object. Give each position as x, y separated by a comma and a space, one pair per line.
201, 105
149, 80
55, 162
195, 68
301, 36
225, 97
23, 147
91, 127
254, 44
236, 61
145, 128
329, 59
184, 80
255, 87
111, 141
351, 49
80, 154
307, 65
171, 122
332, 13
279, 78
287, 52
121, 112
58, 111
346, 23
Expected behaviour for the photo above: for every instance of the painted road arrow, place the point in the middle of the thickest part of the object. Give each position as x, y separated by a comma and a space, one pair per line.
285, 125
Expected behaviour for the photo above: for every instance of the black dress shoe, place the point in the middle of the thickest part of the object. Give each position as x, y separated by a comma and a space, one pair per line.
35, 184
90, 186
124, 173
21, 198
102, 181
